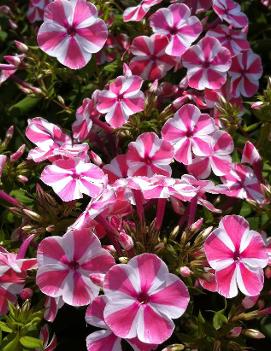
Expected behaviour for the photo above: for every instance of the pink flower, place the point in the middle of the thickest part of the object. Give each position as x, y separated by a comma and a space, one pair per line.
180, 28
14, 63
51, 307
241, 182
83, 123
143, 297
189, 130
251, 156
3, 161
198, 5
245, 72
149, 155
35, 10
233, 39
238, 256
230, 11
49, 344
116, 169
65, 264
122, 99
137, 13
72, 178
207, 64
72, 32
150, 60
218, 160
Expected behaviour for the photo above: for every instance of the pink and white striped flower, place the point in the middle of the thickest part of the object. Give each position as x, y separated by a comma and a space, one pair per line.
150, 60
245, 72
49, 344
137, 13
218, 160
198, 5
178, 25
233, 39
241, 182
72, 32
116, 169
238, 256
72, 178
251, 156
83, 123
66, 263
189, 130
149, 155
147, 295
122, 99
207, 64
35, 10
230, 11
14, 63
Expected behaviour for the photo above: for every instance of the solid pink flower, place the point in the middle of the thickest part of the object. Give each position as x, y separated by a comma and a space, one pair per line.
72, 32
35, 10
230, 11
238, 256
241, 182
207, 64
218, 160
65, 264
82, 125
122, 99
178, 25
189, 130
150, 60
143, 298
71, 178
149, 155
233, 39
137, 13
245, 72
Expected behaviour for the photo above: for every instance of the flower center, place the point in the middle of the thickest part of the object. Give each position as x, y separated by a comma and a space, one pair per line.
206, 64
189, 133
236, 256
148, 160
143, 298
73, 265
71, 31
173, 31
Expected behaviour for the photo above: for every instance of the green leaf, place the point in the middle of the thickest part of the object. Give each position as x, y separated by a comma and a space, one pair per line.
219, 319
22, 196
5, 328
30, 342
13, 345
24, 106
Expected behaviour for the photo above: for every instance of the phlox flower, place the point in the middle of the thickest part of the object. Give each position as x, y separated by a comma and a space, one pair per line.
233, 39
137, 13
49, 344
218, 160
149, 155
241, 182
207, 64
72, 178
116, 169
65, 264
72, 32
178, 25
14, 63
230, 11
251, 156
197, 5
150, 60
51, 307
245, 72
238, 256
122, 99
35, 10
189, 130
142, 298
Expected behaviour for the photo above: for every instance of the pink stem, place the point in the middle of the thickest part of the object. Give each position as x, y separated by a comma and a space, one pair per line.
103, 125
160, 212
139, 204
192, 211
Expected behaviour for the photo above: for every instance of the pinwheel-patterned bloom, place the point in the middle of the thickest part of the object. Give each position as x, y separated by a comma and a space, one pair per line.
230, 11
83, 124
143, 297
150, 60
65, 264
72, 178
122, 99
36, 10
116, 169
241, 182
218, 160
245, 72
233, 39
137, 13
72, 32
251, 156
238, 256
180, 28
207, 64
189, 130
149, 155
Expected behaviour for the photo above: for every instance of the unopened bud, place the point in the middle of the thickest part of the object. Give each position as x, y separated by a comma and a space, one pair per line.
257, 105
174, 232
123, 259
5, 9
253, 333
51, 228
97, 278
96, 159
174, 347
26, 294
21, 46
12, 24
249, 301
235, 332
17, 154
126, 241
33, 215
22, 179
60, 99
195, 227
205, 233
110, 248
267, 272
185, 271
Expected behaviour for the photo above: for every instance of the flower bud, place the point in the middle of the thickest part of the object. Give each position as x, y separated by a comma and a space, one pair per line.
174, 347
12, 24
123, 260
126, 241
96, 159
21, 46
235, 332
110, 248
22, 179
97, 278
33, 215
249, 301
258, 105
3, 160
195, 227
26, 294
185, 271
17, 154
253, 333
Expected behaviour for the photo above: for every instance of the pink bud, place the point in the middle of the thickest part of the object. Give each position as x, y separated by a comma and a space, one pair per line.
5, 9
257, 105
126, 241
96, 159
13, 60
17, 154
249, 301
3, 160
110, 248
267, 272
9, 133
264, 312
21, 46
196, 226
235, 332
22, 179
185, 271
177, 206
97, 278
12, 24
254, 334
26, 294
